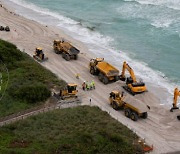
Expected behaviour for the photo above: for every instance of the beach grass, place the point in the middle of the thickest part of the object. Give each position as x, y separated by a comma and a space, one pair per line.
29, 83
82, 129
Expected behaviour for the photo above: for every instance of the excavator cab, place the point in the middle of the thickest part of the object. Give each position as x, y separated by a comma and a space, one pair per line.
69, 92
39, 55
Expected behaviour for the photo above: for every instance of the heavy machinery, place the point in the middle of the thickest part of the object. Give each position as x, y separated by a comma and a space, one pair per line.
132, 108
176, 94
7, 29
69, 92
1, 28
105, 71
39, 55
133, 86
66, 49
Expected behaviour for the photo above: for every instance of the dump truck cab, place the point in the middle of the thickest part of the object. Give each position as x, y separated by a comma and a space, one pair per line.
132, 108
69, 91
116, 100
66, 49
95, 61
114, 96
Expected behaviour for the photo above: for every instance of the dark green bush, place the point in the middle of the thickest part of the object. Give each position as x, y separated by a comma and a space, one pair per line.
30, 92
9, 53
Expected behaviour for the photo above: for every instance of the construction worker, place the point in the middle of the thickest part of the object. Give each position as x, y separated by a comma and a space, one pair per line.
77, 76
122, 94
87, 85
84, 85
92, 84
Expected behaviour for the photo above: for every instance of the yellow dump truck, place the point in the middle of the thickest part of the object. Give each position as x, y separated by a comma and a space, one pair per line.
66, 49
133, 108
105, 71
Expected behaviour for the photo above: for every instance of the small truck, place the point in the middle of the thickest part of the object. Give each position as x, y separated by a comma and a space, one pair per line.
105, 71
66, 49
133, 108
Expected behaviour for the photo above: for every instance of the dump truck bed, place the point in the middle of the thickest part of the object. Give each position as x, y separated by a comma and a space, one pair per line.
136, 104
72, 50
107, 69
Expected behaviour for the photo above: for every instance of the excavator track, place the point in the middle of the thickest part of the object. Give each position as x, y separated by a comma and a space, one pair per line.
129, 90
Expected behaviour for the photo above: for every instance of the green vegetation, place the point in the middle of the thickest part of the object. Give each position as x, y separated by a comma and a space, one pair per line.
29, 82
75, 130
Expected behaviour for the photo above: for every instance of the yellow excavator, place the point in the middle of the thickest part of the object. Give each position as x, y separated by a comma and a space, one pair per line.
176, 94
133, 86
39, 55
70, 91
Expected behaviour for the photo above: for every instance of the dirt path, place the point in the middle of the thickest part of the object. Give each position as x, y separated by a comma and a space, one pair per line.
41, 109
160, 129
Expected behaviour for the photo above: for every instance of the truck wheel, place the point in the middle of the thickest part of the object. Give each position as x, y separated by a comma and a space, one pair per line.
62, 97
116, 78
92, 71
100, 76
122, 78
67, 57
145, 115
75, 57
178, 117
134, 116
63, 55
115, 106
105, 80
127, 113
56, 51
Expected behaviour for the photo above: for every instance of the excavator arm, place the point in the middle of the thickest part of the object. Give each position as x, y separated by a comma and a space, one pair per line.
176, 94
130, 70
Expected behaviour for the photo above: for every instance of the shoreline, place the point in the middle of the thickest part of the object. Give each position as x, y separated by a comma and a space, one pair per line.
28, 34
156, 79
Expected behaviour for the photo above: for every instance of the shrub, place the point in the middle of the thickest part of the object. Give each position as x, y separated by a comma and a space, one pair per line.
31, 93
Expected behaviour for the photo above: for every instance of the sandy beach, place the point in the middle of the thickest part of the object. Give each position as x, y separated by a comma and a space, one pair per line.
161, 129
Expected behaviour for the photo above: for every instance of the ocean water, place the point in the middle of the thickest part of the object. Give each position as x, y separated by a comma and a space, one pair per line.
145, 33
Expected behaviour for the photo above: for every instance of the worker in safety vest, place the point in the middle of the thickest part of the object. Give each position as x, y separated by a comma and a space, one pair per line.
93, 84
87, 85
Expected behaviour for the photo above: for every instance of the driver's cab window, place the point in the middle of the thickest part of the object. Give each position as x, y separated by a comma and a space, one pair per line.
71, 89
